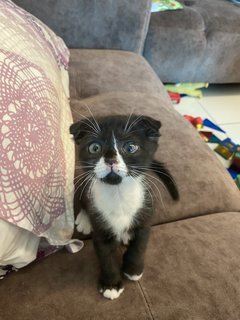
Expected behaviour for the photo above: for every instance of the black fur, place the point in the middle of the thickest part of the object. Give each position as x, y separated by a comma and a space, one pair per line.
145, 132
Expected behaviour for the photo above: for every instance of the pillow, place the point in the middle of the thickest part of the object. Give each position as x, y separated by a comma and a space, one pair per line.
36, 149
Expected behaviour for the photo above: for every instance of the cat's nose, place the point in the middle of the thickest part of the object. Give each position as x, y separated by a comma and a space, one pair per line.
111, 161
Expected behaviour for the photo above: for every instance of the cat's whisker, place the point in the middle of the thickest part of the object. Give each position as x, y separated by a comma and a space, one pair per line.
134, 123
91, 125
91, 133
100, 171
149, 190
83, 167
88, 180
86, 174
84, 162
97, 125
126, 126
94, 122
149, 175
145, 185
159, 192
154, 184
81, 175
77, 112
80, 184
91, 186
155, 170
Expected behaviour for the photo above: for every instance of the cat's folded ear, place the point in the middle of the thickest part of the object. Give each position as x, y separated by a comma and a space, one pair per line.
151, 127
78, 130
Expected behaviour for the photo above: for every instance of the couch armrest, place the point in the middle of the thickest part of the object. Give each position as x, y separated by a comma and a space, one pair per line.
113, 24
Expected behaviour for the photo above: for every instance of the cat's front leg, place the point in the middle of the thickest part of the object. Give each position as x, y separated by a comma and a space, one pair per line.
133, 259
83, 223
110, 276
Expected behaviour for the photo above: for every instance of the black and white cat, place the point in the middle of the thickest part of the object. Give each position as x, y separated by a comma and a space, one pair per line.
115, 153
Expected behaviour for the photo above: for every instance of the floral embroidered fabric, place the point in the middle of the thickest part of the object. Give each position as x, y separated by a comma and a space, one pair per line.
36, 149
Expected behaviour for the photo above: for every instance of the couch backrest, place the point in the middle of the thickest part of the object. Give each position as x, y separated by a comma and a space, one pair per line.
112, 24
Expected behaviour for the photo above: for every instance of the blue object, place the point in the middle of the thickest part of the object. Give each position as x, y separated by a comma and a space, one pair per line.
237, 2
233, 173
155, 7
214, 139
232, 147
210, 124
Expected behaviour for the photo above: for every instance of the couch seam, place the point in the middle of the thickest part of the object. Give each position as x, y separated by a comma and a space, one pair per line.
194, 217
146, 300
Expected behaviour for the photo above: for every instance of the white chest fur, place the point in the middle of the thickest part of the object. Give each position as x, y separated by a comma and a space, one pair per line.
118, 204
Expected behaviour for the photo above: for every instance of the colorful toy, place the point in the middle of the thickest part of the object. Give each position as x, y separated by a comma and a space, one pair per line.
210, 124
190, 89
175, 97
224, 152
214, 139
196, 122
206, 135
163, 5
233, 173
226, 149
237, 180
236, 162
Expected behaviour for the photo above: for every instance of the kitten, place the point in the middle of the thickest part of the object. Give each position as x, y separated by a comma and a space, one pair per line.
115, 153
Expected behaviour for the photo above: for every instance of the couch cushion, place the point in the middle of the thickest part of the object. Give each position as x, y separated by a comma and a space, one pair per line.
200, 43
191, 272
118, 24
93, 72
192, 269
64, 287
127, 83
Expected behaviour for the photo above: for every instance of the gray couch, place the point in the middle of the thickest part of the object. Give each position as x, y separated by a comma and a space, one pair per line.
192, 261
200, 43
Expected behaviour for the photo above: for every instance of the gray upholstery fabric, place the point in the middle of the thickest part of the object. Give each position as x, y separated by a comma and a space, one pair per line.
192, 269
93, 72
191, 273
64, 287
110, 24
200, 43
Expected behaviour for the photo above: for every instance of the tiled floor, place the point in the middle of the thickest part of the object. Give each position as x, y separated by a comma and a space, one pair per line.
221, 105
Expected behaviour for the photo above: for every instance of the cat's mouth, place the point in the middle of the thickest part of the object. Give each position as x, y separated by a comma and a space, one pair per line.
112, 178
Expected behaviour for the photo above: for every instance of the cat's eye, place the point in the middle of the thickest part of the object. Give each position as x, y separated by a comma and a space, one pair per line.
95, 148
131, 147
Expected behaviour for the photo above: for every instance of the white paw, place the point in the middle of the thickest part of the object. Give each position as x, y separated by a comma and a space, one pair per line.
83, 223
125, 238
134, 277
112, 293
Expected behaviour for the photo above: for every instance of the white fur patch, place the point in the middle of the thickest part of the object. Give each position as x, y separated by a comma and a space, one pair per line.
102, 169
112, 293
118, 204
83, 223
134, 277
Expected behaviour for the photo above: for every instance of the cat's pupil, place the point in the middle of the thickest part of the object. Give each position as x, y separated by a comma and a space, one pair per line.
94, 148
131, 147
